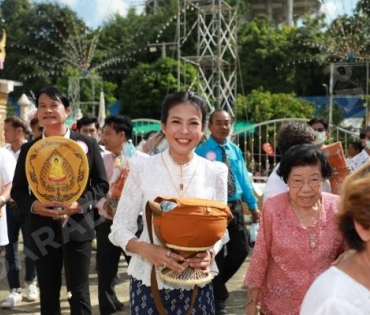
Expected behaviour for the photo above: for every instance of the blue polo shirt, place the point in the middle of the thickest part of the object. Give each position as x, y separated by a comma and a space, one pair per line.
211, 150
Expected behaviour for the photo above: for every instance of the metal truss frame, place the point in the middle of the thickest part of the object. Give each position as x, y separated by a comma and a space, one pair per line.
214, 27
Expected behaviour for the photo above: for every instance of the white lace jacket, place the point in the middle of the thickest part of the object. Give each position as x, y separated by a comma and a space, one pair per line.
149, 179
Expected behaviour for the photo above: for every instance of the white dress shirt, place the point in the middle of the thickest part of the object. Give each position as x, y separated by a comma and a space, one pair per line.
358, 160
7, 168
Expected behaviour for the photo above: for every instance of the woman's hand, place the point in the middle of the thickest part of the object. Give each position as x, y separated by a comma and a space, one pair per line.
252, 298
251, 309
201, 260
162, 257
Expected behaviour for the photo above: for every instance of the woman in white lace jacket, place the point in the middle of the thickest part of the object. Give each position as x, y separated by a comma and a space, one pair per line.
178, 172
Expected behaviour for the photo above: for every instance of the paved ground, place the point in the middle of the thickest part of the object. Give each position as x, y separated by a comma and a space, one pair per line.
235, 304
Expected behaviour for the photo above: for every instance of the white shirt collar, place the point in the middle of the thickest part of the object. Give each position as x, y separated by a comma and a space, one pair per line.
66, 135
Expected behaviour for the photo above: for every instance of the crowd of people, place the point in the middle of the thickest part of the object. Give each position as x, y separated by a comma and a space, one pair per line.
311, 255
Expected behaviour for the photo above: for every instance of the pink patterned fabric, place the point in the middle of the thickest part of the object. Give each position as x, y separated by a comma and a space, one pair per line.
283, 264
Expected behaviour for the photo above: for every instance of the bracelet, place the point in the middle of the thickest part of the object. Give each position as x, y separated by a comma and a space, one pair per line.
251, 301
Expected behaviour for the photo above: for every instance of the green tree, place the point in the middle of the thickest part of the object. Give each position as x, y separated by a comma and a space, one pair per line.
280, 59
262, 105
363, 6
145, 88
37, 41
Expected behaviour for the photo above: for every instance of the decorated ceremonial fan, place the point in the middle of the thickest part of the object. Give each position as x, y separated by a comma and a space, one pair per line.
57, 169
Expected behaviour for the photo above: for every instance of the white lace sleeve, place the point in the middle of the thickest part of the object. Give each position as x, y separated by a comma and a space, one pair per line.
220, 170
129, 207
220, 194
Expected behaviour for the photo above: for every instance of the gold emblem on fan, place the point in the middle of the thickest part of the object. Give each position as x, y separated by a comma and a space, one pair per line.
57, 170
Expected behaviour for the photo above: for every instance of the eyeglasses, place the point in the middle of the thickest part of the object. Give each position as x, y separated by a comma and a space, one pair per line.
319, 129
299, 182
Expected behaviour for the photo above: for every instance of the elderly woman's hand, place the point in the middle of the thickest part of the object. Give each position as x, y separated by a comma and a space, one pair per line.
251, 306
251, 309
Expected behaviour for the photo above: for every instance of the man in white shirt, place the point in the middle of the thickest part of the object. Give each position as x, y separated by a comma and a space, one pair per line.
288, 135
17, 220
7, 167
364, 155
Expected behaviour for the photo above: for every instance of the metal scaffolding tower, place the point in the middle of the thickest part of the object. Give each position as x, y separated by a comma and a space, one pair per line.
74, 95
211, 24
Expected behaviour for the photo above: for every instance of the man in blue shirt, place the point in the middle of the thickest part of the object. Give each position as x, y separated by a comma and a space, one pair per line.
218, 148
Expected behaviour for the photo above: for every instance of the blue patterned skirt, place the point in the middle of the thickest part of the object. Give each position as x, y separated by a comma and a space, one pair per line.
176, 301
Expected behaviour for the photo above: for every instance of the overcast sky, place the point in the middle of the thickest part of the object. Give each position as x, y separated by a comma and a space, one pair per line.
95, 12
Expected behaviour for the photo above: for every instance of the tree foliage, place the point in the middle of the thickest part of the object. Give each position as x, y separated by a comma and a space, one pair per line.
36, 41
145, 88
262, 105
280, 59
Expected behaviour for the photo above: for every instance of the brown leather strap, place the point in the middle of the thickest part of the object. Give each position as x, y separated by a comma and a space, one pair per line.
148, 215
156, 295
153, 277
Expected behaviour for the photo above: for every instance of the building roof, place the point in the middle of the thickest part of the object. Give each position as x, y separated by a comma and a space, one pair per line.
277, 10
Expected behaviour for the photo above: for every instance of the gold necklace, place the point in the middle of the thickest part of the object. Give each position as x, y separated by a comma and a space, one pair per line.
180, 166
312, 235
181, 186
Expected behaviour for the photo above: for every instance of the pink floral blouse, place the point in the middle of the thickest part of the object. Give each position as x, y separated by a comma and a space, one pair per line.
283, 264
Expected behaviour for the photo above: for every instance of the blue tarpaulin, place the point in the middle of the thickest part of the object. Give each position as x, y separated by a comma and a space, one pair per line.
353, 106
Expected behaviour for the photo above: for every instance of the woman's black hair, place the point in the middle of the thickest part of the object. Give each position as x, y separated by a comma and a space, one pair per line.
303, 155
178, 98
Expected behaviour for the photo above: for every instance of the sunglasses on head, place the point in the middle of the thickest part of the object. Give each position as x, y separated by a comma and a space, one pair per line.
319, 129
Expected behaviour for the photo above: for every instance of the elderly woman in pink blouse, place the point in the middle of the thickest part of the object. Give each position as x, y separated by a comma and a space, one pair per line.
298, 238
